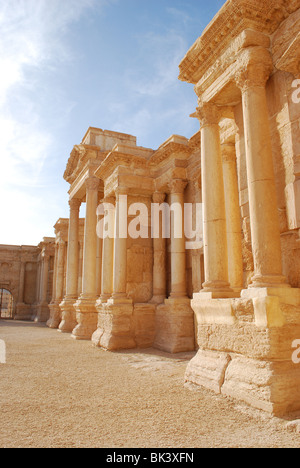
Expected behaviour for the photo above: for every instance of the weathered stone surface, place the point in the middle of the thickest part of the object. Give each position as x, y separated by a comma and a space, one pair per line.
208, 369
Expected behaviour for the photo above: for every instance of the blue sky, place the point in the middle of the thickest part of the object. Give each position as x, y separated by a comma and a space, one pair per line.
70, 64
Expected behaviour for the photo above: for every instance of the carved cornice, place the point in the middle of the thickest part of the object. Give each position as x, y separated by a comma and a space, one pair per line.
115, 159
80, 157
233, 18
169, 149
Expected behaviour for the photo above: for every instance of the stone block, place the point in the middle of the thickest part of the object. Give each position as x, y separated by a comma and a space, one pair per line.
207, 369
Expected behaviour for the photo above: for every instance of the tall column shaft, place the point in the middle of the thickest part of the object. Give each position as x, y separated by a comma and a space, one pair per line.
159, 259
85, 307
59, 285
178, 253
108, 252
233, 218
214, 215
120, 252
73, 250
38, 282
44, 289
54, 275
22, 282
90, 239
264, 219
68, 322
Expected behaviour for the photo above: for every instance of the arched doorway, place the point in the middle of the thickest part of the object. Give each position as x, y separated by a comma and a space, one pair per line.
6, 304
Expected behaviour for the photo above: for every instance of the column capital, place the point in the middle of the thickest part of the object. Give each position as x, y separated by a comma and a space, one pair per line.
254, 68
92, 183
121, 191
208, 113
74, 203
60, 243
45, 257
177, 186
158, 197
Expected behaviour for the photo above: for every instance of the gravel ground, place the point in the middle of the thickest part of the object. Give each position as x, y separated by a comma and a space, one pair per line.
59, 393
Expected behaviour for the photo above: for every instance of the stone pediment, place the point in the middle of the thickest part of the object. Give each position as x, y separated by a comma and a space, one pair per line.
79, 158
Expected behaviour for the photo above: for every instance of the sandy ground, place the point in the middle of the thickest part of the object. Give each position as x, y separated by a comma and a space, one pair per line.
55, 392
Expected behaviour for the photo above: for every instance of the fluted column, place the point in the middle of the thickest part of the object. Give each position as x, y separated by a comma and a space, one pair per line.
85, 306
265, 232
68, 322
159, 257
178, 253
214, 215
233, 218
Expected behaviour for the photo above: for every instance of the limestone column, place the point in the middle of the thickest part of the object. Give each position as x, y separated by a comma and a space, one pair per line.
45, 278
107, 268
178, 253
108, 252
38, 282
22, 283
174, 321
85, 306
115, 319
59, 286
54, 274
68, 322
43, 308
159, 259
264, 219
214, 215
120, 251
233, 218
53, 321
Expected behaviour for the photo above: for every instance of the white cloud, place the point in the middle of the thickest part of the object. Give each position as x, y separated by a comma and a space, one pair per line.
33, 36
163, 53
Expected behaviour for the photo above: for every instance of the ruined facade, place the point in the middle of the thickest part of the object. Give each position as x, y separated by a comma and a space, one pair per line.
231, 290
26, 272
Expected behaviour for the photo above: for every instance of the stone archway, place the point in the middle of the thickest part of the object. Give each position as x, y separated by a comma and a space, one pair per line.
6, 304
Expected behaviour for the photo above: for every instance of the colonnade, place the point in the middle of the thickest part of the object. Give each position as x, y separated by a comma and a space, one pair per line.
222, 225
104, 278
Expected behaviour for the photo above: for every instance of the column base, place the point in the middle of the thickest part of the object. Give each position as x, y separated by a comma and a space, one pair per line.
260, 281
55, 315
175, 326
115, 326
42, 314
86, 316
157, 300
68, 312
246, 348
